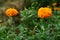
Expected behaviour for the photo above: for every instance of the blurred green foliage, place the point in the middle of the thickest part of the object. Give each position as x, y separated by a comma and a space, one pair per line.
31, 27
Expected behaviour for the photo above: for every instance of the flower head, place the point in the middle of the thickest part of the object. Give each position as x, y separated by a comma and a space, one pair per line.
54, 4
56, 8
44, 12
11, 12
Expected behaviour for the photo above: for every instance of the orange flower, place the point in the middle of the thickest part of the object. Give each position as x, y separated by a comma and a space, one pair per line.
44, 12
56, 8
54, 4
11, 12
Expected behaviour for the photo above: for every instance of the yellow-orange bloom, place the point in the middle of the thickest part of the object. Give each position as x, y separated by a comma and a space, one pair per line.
56, 8
44, 12
54, 4
11, 12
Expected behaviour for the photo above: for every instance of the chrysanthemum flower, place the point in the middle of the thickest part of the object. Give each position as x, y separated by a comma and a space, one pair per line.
11, 12
44, 12
56, 8
54, 4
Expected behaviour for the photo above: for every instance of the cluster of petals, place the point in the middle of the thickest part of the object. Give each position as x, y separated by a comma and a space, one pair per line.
54, 4
44, 12
11, 12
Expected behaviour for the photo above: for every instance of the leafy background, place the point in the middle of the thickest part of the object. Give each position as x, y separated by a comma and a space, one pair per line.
31, 27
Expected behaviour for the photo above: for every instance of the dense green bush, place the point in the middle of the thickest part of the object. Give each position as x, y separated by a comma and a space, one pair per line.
32, 27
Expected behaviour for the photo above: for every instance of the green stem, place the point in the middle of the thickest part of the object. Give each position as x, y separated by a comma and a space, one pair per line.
13, 23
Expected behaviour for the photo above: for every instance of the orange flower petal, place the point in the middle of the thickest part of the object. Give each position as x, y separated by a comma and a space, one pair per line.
11, 12
44, 12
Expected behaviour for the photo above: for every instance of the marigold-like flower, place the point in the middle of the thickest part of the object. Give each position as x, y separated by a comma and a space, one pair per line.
44, 12
11, 12
54, 4
56, 8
